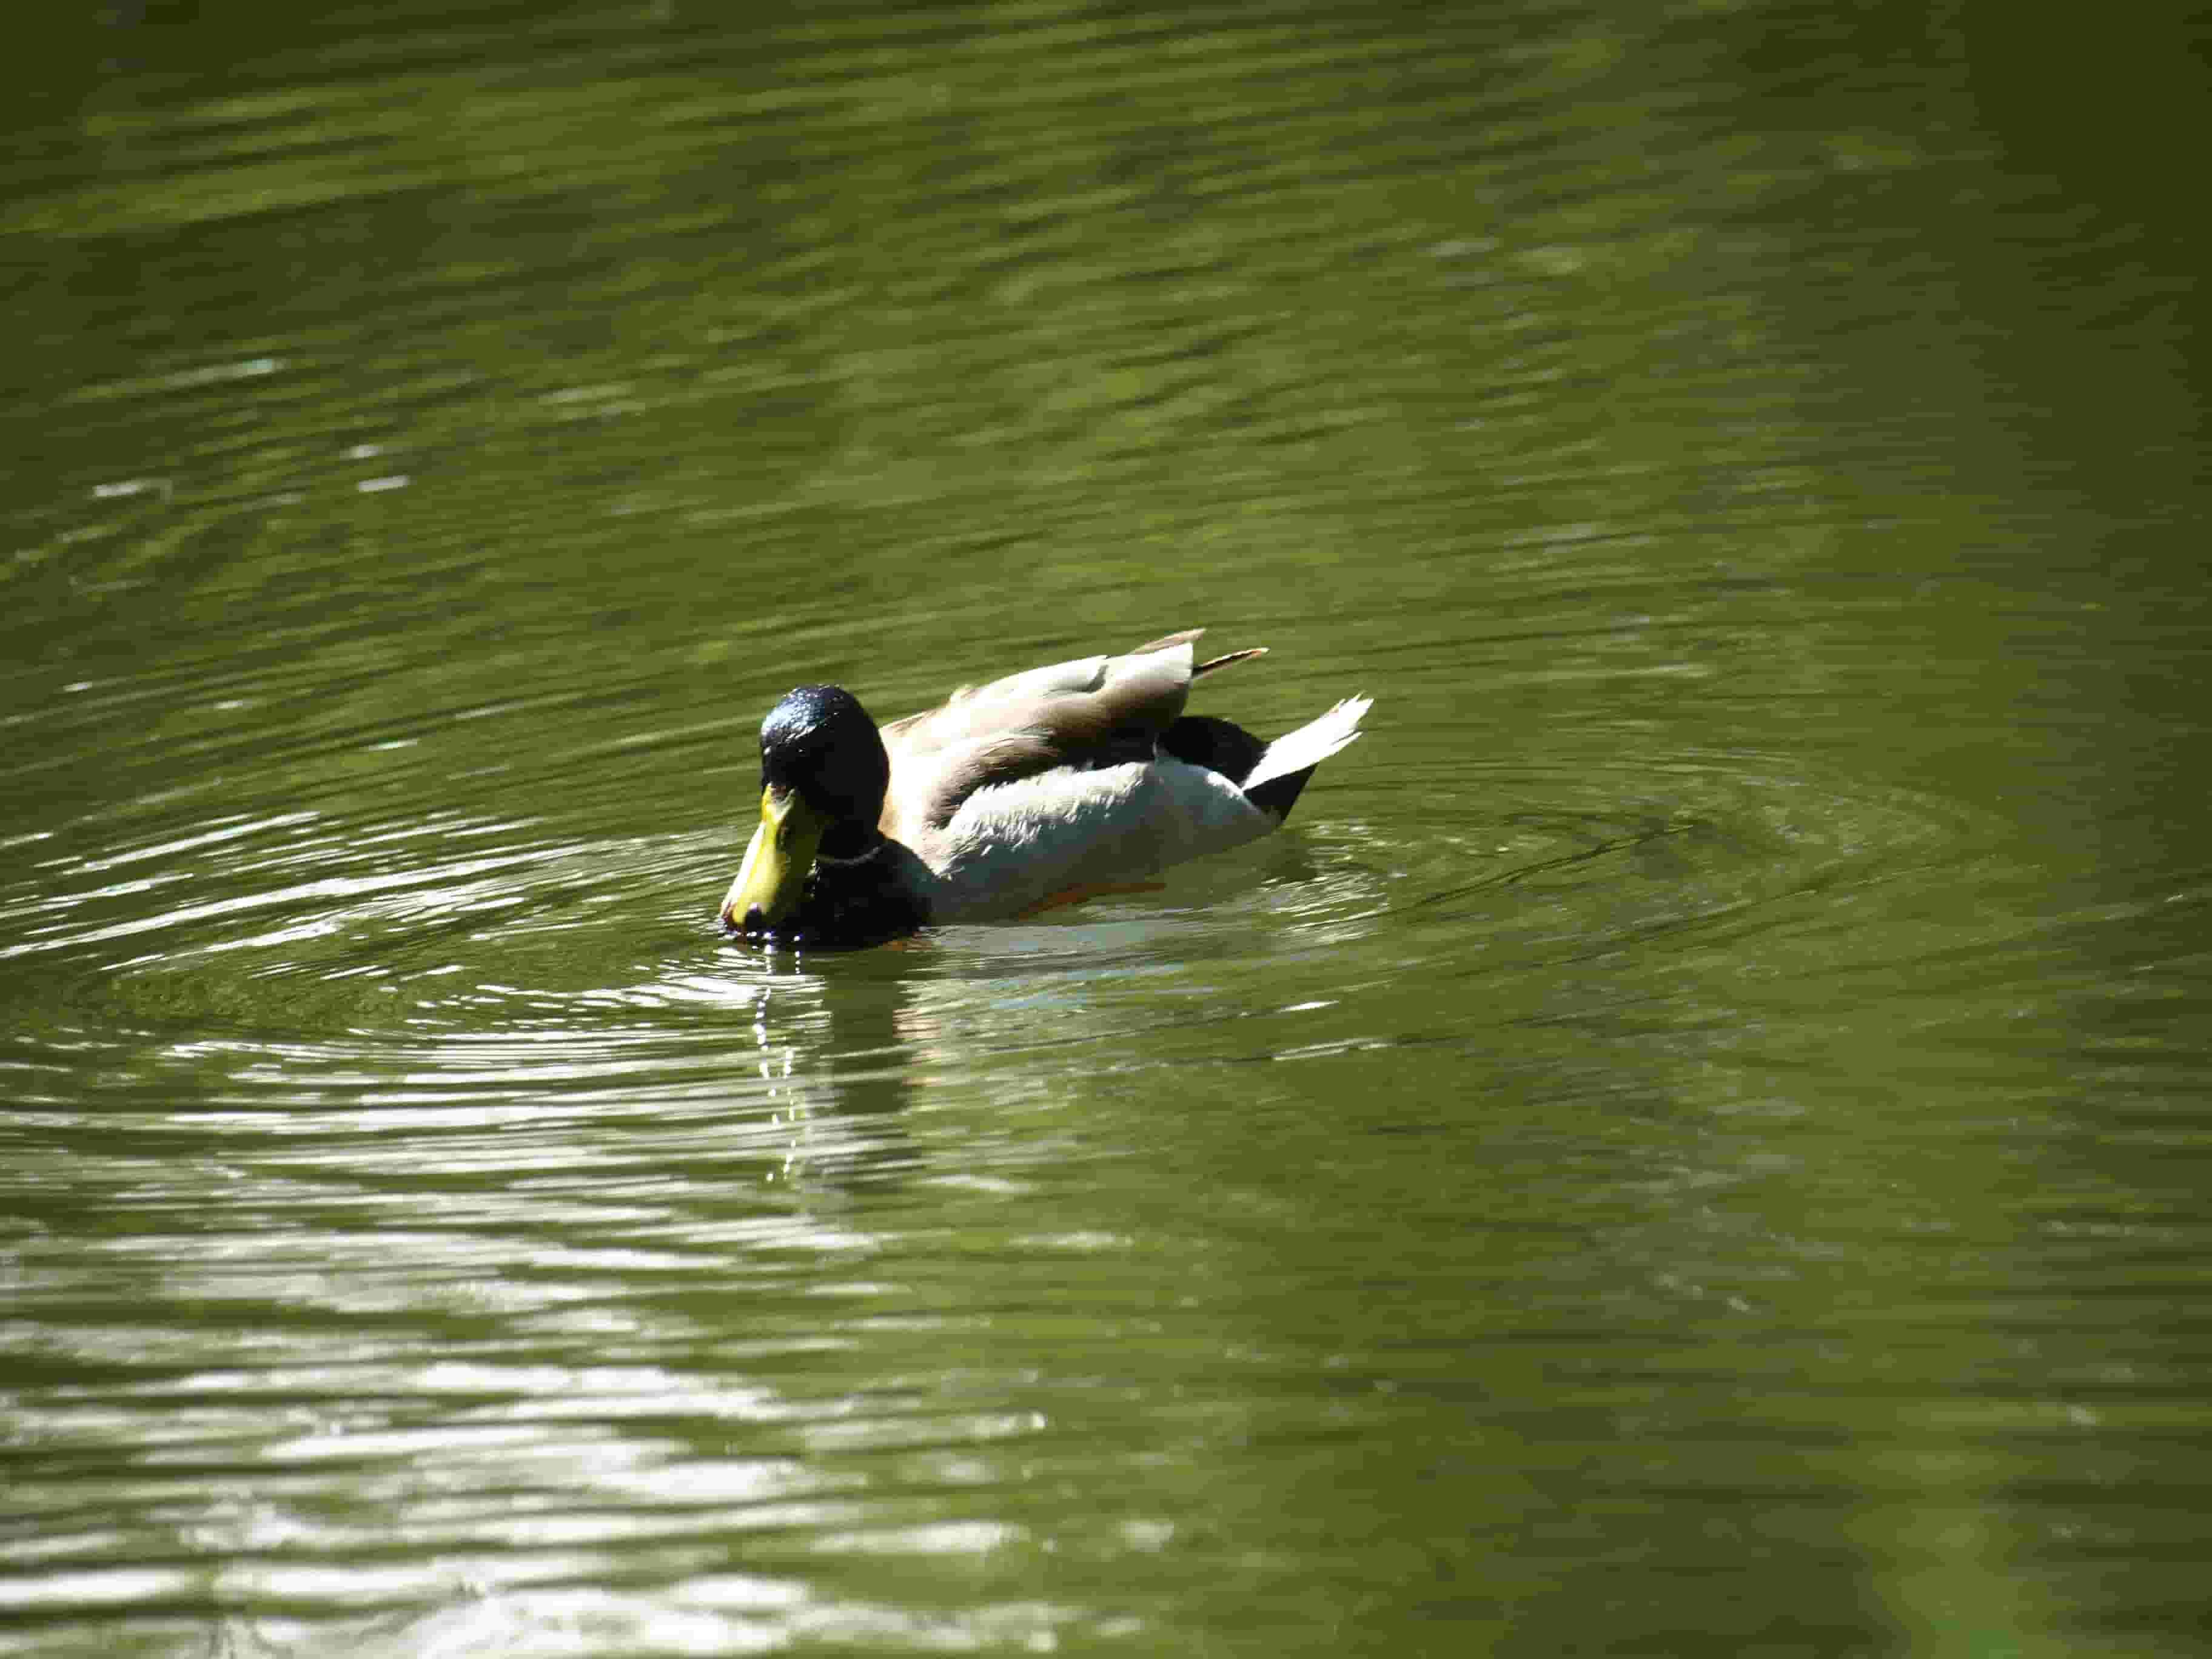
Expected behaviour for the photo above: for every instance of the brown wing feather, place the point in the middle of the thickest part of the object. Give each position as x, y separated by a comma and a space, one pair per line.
1188, 636
1096, 712
976, 711
1093, 712
1166, 643
1227, 658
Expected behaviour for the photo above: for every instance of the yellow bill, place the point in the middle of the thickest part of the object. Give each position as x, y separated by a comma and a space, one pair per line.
773, 875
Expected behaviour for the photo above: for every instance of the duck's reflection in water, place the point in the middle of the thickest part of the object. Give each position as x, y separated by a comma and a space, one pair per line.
838, 1066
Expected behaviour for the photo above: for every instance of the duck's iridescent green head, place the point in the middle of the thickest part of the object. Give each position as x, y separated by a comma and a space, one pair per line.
823, 775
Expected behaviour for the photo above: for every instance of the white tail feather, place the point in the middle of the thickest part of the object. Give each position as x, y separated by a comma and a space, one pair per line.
1311, 744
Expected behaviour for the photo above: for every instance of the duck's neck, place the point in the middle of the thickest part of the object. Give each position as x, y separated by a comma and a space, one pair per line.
863, 890
849, 840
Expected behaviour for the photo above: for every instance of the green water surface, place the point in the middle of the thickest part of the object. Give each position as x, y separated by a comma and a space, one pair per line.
1693, 1143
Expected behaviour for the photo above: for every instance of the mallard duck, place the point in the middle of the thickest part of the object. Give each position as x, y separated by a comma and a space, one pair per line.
1038, 788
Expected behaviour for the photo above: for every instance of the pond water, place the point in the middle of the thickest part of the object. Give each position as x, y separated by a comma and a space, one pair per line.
1694, 1140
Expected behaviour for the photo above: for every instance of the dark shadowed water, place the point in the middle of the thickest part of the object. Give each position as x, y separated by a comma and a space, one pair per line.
1694, 1144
